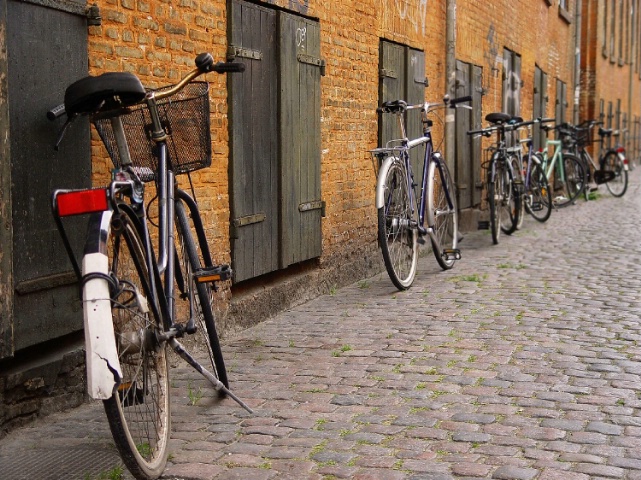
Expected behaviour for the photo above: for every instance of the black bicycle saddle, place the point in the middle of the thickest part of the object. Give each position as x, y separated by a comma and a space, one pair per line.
498, 118
102, 92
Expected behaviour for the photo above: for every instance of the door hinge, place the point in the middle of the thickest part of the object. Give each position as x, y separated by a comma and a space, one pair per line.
388, 73
233, 52
311, 60
315, 205
244, 221
93, 16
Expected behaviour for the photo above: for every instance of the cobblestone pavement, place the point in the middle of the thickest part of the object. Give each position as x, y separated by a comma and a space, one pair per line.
522, 362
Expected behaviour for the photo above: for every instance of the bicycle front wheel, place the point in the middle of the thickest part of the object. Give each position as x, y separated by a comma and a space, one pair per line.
612, 162
442, 217
538, 197
516, 163
495, 199
200, 296
568, 182
138, 412
396, 231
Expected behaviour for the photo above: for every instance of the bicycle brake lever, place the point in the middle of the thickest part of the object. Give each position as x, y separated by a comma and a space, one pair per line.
63, 130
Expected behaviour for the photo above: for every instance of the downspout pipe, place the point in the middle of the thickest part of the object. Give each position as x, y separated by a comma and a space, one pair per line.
577, 63
450, 68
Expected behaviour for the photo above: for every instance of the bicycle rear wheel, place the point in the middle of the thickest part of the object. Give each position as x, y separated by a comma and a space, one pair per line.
569, 183
442, 218
495, 198
538, 196
510, 208
612, 163
199, 295
397, 235
139, 411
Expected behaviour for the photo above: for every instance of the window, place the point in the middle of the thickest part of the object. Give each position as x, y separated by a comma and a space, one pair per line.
274, 109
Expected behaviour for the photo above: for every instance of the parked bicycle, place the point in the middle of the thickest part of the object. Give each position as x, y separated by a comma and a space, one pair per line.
537, 195
408, 211
564, 171
129, 287
611, 168
503, 182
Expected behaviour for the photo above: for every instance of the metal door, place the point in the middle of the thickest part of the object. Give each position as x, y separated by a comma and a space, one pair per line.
46, 51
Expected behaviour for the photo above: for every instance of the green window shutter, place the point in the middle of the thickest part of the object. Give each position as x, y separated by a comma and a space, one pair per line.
299, 109
253, 141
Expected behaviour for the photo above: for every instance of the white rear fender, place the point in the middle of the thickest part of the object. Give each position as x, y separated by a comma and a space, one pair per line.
103, 367
382, 174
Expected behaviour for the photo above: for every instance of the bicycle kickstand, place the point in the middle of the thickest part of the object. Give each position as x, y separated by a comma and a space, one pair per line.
218, 385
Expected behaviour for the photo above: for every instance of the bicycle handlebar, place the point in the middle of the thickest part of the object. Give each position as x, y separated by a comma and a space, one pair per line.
204, 64
401, 106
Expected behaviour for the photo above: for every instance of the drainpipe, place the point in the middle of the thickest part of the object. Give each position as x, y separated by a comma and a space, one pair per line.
577, 63
633, 36
450, 68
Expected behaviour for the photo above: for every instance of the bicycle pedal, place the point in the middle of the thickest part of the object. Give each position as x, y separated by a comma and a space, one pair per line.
536, 206
130, 394
451, 254
483, 225
217, 273
421, 240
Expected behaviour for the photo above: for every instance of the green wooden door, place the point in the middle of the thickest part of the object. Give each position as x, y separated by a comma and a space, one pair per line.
46, 50
275, 185
300, 196
253, 142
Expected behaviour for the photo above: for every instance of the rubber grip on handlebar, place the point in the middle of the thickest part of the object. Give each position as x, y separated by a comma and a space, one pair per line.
466, 98
229, 67
56, 112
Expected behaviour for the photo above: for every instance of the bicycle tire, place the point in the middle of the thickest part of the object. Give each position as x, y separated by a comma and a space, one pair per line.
517, 171
494, 196
511, 204
200, 305
612, 163
442, 219
397, 235
569, 186
538, 195
139, 411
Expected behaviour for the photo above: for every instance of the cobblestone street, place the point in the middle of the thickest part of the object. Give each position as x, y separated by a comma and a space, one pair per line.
522, 362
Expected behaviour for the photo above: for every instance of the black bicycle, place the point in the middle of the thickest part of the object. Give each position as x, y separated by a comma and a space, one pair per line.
408, 210
503, 182
137, 299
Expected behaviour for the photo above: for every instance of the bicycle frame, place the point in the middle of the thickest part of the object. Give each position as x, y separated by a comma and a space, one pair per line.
403, 151
556, 160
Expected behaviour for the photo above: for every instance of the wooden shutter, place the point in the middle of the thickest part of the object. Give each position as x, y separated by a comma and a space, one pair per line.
468, 151
391, 87
47, 51
299, 104
253, 141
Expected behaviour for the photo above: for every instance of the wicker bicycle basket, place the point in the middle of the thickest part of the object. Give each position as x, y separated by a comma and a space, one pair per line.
583, 136
185, 118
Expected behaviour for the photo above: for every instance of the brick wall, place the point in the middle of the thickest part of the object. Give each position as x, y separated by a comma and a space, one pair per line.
533, 29
158, 39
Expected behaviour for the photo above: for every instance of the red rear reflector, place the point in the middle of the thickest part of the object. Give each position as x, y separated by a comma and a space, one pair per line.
82, 201
620, 150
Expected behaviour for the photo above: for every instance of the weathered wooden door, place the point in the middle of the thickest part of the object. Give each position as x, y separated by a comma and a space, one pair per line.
275, 140
46, 51
402, 77
540, 104
300, 149
254, 141
468, 150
